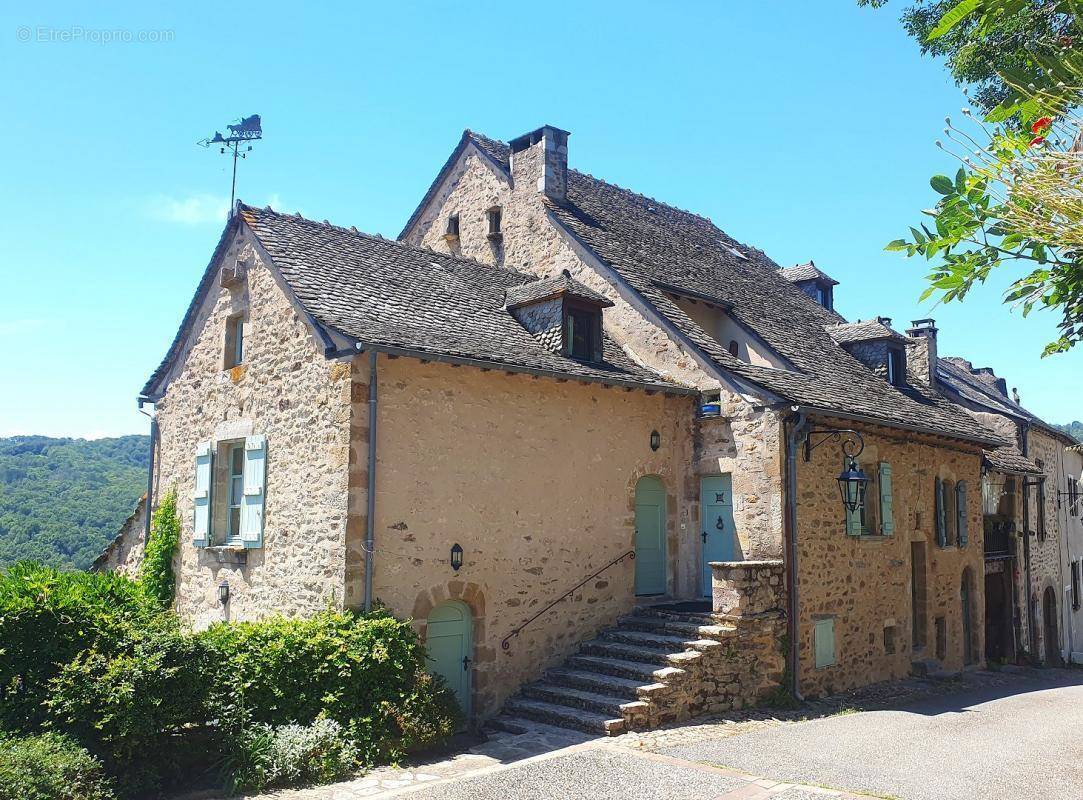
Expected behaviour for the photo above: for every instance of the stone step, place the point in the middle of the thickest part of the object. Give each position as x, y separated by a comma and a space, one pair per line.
576, 698
650, 640
628, 652
564, 716
671, 627
597, 682
696, 617
614, 666
504, 723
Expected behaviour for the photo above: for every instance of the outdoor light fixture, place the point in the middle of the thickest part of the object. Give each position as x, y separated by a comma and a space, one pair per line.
456, 556
223, 593
852, 481
656, 440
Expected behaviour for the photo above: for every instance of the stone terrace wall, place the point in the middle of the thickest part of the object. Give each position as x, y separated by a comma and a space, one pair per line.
535, 479
864, 583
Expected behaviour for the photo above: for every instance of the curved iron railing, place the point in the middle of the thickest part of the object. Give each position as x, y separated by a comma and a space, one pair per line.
505, 643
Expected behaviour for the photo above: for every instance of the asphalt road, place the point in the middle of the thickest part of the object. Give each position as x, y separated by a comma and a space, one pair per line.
1016, 742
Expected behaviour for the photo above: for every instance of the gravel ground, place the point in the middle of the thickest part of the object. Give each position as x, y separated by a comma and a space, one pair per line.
1019, 738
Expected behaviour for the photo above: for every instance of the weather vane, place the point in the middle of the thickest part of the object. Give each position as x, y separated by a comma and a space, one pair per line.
246, 130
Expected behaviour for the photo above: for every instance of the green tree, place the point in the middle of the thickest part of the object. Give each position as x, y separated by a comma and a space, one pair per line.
1016, 199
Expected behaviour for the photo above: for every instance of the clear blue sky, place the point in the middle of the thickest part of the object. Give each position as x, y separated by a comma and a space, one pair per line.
805, 129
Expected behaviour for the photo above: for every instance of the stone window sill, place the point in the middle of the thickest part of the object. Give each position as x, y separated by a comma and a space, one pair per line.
874, 537
494, 237
227, 554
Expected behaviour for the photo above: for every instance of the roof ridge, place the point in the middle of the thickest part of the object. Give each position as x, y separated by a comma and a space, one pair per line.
376, 237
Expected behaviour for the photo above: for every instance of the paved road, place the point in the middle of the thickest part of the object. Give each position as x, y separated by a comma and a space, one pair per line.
1016, 742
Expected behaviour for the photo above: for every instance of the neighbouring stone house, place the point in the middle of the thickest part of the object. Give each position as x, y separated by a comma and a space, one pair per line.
1071, 518
1028, 526
587, 441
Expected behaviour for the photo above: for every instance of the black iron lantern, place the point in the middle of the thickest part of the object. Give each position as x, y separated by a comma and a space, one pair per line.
852, 485
456, 556
223, 593
656, 440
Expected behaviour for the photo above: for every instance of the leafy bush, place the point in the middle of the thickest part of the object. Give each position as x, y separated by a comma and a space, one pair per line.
50, 767
156, 571
145, 697
265, 757
47, 617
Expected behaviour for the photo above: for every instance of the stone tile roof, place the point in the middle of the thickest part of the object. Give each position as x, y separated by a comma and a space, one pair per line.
386, 294
563, 284
806, 272
1009, 459
867, 331
653, 245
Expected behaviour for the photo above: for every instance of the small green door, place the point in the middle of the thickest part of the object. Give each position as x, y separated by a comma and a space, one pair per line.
650, 536
716, 523
448, 641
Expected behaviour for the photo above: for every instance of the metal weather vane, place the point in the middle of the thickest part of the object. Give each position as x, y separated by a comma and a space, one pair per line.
247, 129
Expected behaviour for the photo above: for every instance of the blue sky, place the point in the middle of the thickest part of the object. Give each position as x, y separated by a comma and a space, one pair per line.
804, 129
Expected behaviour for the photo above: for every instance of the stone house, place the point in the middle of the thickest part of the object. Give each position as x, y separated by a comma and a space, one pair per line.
1026, 486
555, 410
1071, 519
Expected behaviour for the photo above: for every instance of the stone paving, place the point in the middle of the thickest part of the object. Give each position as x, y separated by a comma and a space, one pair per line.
603, 767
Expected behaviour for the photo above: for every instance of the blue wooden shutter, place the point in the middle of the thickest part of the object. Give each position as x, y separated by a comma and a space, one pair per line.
941, 522
255, 478
201, 496
853, 518
960, 514
887, 518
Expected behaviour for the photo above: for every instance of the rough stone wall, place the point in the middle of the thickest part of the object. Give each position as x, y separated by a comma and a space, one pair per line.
1045, 551
864, 583
872, 354
1073, 544
125, 553
746, 443
287, 391
535, 480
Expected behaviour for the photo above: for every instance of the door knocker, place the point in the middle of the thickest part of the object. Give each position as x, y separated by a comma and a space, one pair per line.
720, 525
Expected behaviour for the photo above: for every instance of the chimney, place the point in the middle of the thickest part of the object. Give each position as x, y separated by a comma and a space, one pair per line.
540, 158
923, 331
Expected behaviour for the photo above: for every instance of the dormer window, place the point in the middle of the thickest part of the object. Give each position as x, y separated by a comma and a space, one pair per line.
896, 366
582, 332
823, 294
493, 218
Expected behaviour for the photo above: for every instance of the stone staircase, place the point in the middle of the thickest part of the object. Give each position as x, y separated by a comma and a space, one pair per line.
643, 672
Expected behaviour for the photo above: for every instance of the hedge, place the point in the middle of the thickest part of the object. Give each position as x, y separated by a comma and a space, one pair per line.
50, 767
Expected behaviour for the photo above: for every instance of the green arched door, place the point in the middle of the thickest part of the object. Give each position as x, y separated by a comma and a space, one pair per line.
449, 641
650, 536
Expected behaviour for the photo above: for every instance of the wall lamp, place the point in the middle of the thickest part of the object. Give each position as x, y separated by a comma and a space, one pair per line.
852, 481
223, 593
456, 556
656, 440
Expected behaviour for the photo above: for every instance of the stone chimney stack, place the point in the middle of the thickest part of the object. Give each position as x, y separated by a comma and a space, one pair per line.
540, 159
923, 350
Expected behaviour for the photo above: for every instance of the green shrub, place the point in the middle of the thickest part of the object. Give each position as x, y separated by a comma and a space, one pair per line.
47, 617
140, 707
156, 571
364, 671
265, 757
50, 767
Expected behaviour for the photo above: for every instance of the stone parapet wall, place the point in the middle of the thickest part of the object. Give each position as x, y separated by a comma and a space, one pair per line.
745, 589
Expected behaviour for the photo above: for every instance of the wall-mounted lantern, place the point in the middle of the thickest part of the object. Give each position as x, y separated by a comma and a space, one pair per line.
853, 482
656, 440
456, 556
223, 593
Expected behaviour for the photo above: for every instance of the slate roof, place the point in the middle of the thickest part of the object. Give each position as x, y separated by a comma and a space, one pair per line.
387, 294
652, 245
806, 272
1009, 459
563, 284
867, 331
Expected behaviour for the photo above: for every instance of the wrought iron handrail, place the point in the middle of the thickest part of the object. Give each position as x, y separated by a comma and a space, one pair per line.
505, 643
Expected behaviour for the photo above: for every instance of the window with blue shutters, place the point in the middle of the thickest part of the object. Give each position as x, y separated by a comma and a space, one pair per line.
887, 512
962, 535
201, 496
255, 479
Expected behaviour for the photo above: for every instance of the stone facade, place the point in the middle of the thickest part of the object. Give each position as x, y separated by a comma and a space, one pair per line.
1071, 517
125, 553
886, 614
287, 391
1043, 529
535, 480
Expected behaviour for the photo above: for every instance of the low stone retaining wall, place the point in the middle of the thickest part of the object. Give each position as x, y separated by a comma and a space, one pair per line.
736, 662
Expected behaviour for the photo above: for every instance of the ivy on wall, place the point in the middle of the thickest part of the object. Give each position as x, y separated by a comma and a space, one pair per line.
156, 571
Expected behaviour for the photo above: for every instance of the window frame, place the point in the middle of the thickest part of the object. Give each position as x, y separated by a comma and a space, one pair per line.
570, 311
234, 348
235, 491
896, 366
452, 228
494, 217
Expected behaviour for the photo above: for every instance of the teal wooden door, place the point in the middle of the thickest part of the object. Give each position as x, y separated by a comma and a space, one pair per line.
449, 641
650, 536
716, 524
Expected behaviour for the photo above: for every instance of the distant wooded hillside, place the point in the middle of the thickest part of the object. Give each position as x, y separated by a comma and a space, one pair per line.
1073, 429
63, 500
